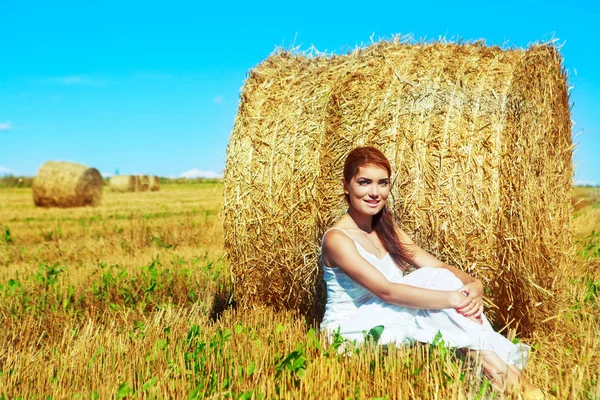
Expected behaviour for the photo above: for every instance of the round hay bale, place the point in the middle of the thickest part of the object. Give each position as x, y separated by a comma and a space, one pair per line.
154, 183
137, 182
142, 183
65, 184
479, 139
123, 183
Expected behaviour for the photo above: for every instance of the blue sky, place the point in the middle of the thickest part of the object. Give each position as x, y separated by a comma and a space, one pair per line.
152, 87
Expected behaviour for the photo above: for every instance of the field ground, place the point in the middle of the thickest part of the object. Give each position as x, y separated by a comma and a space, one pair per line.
132, 300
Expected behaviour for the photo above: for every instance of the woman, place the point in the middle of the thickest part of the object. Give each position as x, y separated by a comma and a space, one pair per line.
364, 256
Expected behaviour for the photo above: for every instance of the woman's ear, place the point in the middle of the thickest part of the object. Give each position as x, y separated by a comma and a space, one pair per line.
346, 191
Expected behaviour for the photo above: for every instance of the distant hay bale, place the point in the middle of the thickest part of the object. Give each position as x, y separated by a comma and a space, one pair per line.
65, 184
479, 139
137, 182
154, 183
142, 183
123, 183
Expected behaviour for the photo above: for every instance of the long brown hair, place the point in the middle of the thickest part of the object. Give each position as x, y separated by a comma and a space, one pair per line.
382, 222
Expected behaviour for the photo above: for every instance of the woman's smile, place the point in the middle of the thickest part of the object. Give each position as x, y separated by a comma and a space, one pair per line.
373, 203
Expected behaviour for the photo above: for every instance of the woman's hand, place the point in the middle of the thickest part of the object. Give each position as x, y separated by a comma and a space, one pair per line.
472, 306
457, 300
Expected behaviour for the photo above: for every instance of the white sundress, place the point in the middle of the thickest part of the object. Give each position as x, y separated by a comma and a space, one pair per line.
354, 309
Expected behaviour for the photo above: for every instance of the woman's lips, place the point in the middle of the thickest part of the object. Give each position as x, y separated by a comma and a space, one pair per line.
372, 203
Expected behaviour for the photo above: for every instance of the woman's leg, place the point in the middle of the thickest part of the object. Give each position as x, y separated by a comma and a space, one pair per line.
524, 382
502, 377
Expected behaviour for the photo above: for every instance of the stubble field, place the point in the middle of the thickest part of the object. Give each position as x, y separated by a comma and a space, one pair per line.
133, 300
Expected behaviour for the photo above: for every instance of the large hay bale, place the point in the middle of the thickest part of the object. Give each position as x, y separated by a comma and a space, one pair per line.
154, 183
123, 183
142, 183
479, 139
65, 184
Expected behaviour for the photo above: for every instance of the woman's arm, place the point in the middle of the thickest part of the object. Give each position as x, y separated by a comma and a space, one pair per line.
340, 251
472, 286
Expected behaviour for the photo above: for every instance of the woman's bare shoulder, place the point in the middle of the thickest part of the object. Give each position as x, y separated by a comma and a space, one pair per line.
335, 236
336, 241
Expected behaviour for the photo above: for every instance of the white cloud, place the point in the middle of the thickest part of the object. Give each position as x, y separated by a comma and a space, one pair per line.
583, 182
6, 171
5, 126
196, 173
218, 99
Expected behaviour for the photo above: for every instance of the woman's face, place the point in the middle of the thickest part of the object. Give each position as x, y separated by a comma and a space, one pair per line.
368, 190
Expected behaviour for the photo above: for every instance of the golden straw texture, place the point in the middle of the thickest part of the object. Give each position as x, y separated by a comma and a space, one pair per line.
479, 139
65, 184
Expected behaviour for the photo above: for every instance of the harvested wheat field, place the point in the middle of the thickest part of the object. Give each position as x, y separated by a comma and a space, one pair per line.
132, 299
479, 139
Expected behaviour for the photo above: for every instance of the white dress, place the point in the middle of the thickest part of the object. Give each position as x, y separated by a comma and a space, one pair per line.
354, 309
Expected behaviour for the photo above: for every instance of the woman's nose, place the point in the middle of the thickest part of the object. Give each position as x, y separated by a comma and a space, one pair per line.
374, 191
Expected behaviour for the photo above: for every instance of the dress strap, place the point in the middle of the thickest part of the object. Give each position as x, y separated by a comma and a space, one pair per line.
339, 229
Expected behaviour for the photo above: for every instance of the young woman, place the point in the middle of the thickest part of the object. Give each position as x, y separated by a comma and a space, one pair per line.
364, 257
